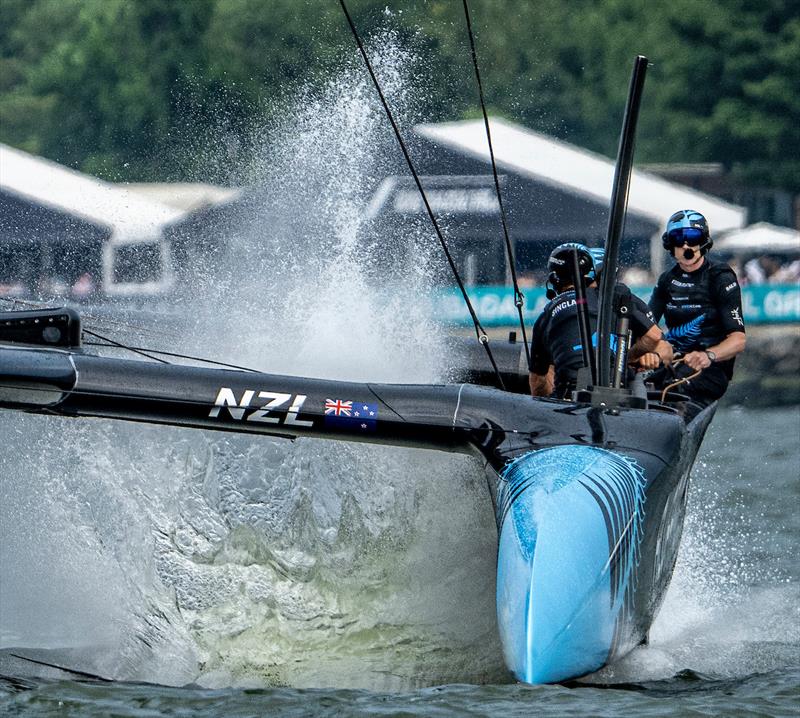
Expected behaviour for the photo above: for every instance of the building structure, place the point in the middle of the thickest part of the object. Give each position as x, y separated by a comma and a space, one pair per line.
58, 224
62, 232
764, 204
553, 192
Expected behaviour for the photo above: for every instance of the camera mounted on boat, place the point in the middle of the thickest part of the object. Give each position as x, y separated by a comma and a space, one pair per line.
59, 327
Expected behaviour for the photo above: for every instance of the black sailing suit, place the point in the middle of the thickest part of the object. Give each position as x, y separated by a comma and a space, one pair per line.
556, 337
700, 308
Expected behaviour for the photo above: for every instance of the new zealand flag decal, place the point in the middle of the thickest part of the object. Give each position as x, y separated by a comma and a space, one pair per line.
351, 415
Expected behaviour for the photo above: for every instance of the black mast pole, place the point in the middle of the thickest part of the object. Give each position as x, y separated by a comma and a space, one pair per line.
616, 221
583, 317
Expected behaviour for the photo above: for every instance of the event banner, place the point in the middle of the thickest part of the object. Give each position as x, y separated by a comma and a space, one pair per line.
494, 305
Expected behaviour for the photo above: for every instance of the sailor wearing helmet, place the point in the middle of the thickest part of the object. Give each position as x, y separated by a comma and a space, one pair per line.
556, 351
701, 303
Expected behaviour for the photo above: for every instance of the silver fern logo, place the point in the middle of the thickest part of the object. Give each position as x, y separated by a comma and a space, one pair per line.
685, 335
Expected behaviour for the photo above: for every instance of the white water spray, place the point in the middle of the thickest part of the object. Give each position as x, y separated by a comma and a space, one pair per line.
308, 287
231, 560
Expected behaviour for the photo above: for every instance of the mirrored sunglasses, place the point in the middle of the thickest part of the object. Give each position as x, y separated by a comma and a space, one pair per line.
686, 235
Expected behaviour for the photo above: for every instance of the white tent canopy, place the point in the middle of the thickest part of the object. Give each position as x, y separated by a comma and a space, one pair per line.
135, 223
761, 237
186, 196
576, 170
128, 214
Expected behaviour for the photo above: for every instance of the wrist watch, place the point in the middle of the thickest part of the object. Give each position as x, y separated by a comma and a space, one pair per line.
711, 356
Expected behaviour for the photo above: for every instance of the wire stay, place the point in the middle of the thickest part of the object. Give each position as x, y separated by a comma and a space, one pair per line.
479, 330
519, 297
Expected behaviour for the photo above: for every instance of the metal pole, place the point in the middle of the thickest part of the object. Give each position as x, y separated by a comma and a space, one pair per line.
616, 221
621, 363
583, 316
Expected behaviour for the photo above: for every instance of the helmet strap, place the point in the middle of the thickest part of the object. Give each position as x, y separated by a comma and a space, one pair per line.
552, 285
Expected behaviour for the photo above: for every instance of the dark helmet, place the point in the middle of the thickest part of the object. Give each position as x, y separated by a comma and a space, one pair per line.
687, 227
559, 265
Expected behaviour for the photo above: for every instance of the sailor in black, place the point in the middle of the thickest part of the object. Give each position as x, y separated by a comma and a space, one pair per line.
556, 350
701, 303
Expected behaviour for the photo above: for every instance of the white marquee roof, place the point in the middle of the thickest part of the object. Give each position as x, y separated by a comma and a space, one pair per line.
187, 196
576, 170
126, 213
761, 237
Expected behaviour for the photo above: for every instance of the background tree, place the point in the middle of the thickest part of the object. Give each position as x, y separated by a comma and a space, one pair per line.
140, 90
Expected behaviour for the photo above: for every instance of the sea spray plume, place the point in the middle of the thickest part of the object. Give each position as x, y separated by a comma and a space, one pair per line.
223, 559
728, 611
316, 572
176, 537
91, 544
303, 259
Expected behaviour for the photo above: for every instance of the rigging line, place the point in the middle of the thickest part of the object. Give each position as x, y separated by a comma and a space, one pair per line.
177, 356
111, 342
82, 674
678, 383
22, 302
37, 303
116, 324
519, 297
479, 330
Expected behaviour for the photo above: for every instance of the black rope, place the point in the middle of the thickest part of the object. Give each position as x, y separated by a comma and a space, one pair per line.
22, 302
111, 342
143, 351
479, 330
172, 354
116, 325
519, 297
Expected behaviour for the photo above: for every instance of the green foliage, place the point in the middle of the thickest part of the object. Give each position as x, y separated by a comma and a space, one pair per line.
146, 89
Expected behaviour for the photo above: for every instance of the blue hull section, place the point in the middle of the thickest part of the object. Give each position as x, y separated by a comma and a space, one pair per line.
570, 521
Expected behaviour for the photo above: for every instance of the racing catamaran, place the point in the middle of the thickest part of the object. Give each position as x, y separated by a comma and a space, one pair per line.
589, 494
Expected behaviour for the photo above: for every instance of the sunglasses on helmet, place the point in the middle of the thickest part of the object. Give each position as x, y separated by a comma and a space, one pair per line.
686, 235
